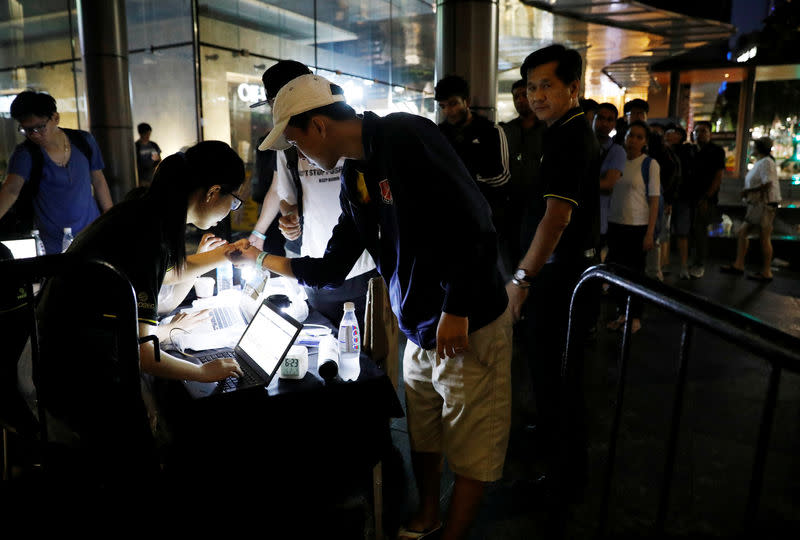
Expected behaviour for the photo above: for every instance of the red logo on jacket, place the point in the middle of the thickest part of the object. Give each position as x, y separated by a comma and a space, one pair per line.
386, 193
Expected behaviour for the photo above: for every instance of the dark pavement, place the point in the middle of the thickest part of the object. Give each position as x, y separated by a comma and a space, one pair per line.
722, 411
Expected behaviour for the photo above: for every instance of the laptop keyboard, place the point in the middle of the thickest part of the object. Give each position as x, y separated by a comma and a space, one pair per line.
249, 377
224, 317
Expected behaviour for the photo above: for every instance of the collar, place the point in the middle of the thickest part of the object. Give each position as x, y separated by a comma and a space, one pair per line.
570, 116
369, 129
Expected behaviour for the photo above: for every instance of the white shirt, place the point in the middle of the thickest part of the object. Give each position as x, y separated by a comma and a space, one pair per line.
764, 171
320, 207
629, 204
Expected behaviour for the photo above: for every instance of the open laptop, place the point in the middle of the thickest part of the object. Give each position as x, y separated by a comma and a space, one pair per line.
21, 248
260, 352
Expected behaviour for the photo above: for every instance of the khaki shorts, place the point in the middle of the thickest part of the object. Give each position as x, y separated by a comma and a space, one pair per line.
461, 407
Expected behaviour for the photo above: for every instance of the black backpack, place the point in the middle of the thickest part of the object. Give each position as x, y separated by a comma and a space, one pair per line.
20, 218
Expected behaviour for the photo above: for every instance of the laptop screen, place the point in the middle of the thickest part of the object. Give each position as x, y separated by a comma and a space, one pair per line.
268, 337
22, 248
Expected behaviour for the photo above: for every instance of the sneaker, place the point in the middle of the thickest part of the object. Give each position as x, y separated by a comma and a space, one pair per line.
697, 272
684, 273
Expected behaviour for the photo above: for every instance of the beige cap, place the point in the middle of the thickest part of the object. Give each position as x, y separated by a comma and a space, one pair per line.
299, 95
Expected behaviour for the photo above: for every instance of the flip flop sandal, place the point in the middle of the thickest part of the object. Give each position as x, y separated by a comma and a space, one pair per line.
427, 534
729, 269
758, 276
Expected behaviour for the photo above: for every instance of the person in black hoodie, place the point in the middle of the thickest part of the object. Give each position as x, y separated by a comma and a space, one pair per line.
409, 201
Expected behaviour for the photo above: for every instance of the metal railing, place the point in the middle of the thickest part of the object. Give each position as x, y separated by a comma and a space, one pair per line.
780, 350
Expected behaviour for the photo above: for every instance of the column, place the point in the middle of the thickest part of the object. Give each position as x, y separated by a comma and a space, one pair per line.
466, 45
104, 46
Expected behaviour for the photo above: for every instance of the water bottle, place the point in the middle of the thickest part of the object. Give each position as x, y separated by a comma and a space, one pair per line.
224, 277
39, 244
67, 240
349, 344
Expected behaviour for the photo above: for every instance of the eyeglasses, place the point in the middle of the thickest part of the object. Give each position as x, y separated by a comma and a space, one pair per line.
33, 129
235, 203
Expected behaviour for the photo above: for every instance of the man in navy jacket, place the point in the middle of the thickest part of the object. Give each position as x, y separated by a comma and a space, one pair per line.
408, 200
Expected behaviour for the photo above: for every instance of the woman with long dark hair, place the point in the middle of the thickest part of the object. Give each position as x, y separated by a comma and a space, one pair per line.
144, 238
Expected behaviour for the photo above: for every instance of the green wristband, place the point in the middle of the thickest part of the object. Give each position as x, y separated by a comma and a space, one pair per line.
260, 259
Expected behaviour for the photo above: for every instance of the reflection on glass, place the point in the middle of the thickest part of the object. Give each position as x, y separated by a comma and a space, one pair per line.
35, 32
158, 22
162, 85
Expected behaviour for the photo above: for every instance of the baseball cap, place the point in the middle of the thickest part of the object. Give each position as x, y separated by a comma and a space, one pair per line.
299, 95
277, 75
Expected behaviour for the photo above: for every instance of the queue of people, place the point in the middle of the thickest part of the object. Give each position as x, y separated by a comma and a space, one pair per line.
483, 234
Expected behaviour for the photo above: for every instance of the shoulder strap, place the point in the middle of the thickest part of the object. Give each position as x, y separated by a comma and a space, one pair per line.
37, 163
77, 138
292, 160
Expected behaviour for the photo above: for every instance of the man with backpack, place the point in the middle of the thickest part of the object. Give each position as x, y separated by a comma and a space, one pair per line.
55, 177
309, 204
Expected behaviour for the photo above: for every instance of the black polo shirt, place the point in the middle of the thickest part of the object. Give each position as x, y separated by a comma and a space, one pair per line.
129, 237
569, 171
706, 163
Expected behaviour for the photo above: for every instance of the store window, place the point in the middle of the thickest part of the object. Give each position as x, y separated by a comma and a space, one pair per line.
36, 36
163, 95
413, 34
775, 114
271, 28
158, 23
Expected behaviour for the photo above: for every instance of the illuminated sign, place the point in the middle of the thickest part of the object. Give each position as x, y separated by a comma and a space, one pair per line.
744, 57
250, 93
5, 104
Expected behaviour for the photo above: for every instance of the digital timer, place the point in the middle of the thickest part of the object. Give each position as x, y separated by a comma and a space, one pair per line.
295, 365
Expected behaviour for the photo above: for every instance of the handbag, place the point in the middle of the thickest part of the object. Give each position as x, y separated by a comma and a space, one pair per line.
756, 204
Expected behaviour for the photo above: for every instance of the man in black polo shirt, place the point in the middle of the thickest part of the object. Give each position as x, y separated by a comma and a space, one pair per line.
562, 227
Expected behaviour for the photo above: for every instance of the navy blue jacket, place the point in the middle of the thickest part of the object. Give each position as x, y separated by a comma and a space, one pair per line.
412, 204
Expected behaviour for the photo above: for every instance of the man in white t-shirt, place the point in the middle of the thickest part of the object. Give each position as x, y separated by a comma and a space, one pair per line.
320, 214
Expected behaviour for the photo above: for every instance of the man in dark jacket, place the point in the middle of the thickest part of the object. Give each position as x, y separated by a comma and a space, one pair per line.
409, 201
482, 146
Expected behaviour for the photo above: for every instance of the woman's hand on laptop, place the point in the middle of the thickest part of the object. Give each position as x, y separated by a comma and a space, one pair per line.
219, 369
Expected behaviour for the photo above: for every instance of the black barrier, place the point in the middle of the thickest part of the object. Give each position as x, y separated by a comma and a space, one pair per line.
28, 272
780, 350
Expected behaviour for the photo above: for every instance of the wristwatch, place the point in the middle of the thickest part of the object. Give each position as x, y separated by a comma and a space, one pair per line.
520, 274
521, 278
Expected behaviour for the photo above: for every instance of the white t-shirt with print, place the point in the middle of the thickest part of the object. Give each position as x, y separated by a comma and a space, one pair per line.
320, 207
629, 204
763, 171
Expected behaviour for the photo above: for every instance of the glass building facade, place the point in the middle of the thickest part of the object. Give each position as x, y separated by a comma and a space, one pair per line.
195, 66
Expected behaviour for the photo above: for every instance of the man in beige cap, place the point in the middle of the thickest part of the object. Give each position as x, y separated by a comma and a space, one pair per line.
409, 201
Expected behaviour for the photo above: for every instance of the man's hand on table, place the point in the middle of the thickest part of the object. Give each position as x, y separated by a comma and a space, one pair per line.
451, 335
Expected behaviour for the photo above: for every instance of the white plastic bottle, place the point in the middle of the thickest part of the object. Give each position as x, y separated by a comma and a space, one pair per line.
67, 239
349, 344
39, 244
224, 277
